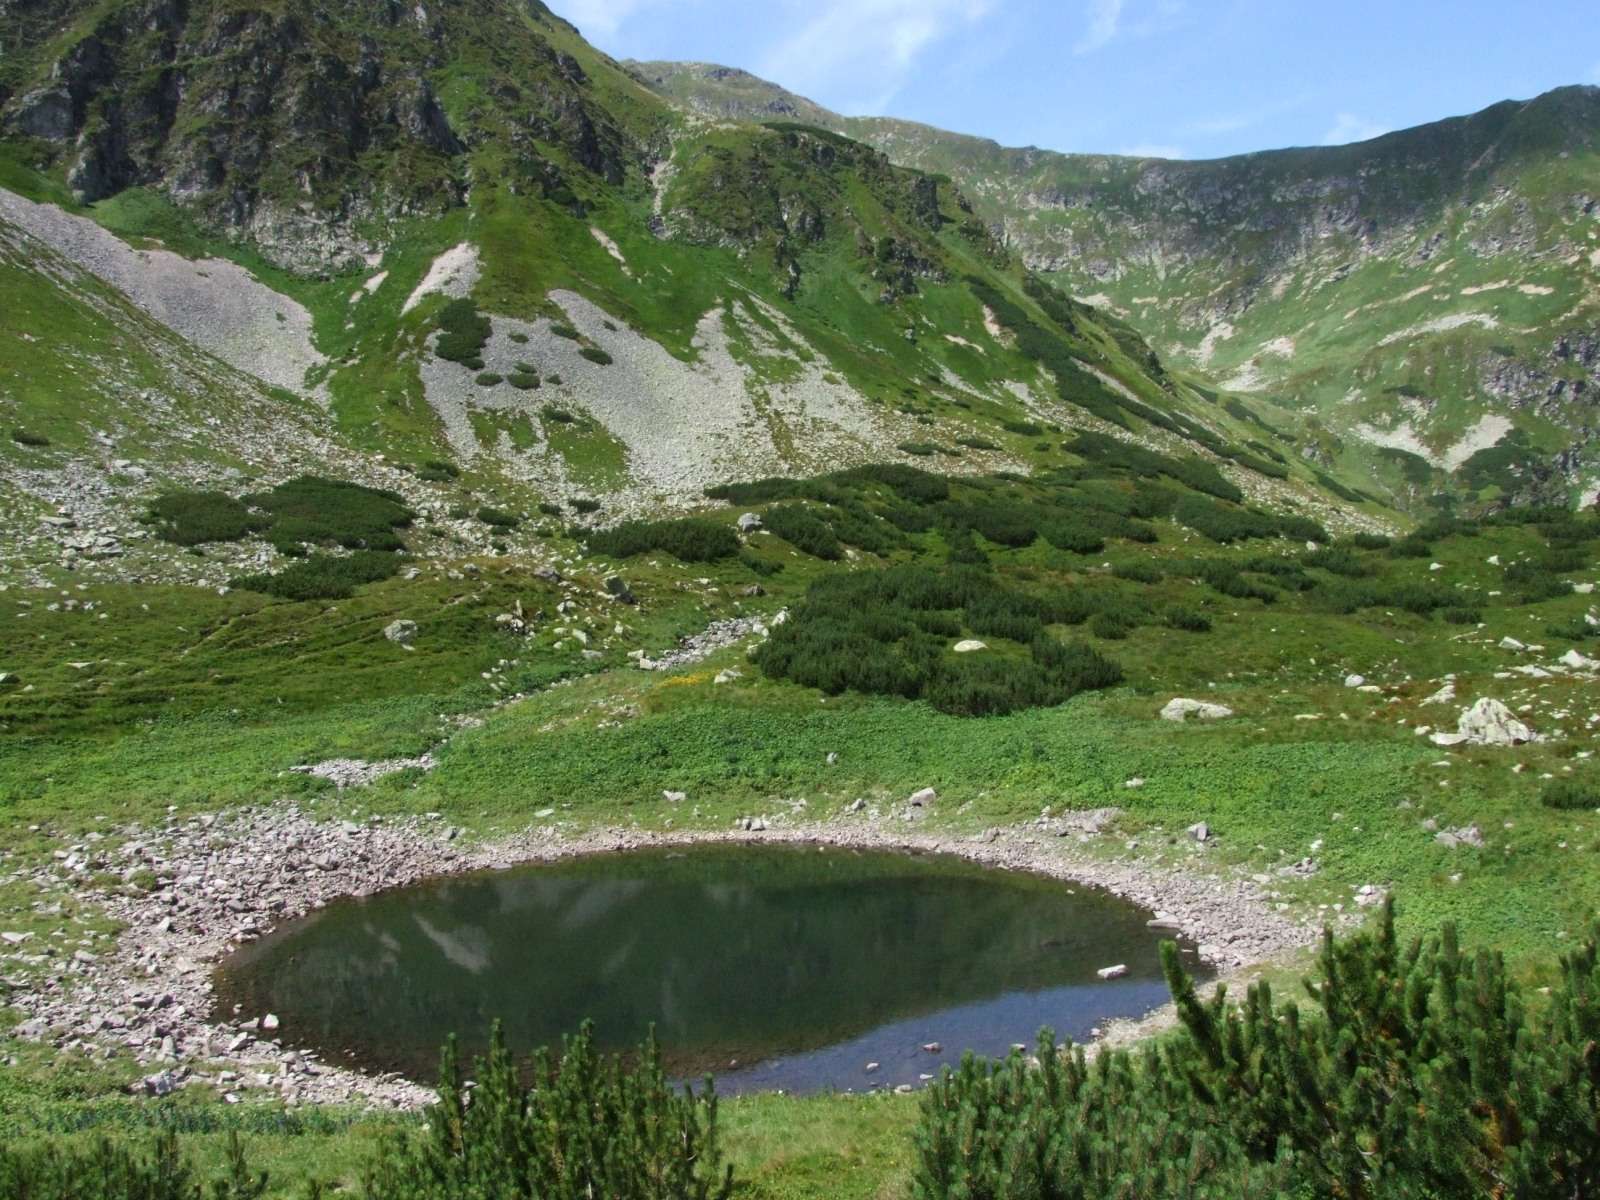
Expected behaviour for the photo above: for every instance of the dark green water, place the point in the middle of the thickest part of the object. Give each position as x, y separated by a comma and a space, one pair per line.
774, 967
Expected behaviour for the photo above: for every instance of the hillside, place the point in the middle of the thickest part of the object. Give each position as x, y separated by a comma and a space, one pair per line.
429, 455
643, 305
1417, 300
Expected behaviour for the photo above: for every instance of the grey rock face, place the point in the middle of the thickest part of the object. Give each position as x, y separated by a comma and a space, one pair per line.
45, 114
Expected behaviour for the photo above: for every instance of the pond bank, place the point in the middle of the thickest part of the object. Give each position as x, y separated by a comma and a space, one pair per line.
227, 880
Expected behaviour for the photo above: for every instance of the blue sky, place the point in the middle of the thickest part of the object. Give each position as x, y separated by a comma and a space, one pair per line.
1182, 78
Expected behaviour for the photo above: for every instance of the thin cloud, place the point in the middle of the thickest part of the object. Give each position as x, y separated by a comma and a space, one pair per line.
1104, 17
1154, 150
599, 17
1347, 128
858, 53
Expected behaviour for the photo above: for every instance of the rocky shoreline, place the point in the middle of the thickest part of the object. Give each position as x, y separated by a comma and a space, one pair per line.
211, 884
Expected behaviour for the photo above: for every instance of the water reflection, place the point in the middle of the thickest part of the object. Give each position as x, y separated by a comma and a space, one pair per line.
797, 964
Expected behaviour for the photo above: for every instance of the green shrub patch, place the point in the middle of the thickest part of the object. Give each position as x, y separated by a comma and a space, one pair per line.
323, 576
887, 632
463, 333
689, 539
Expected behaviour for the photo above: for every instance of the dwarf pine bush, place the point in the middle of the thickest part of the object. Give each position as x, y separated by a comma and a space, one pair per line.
688, 539
1417, 1074
584, 1126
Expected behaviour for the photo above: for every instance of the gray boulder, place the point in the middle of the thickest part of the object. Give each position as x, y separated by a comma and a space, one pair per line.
1181, 708
401, 632
1487, 723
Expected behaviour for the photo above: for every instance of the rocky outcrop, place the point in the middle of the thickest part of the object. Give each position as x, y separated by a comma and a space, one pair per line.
293, 125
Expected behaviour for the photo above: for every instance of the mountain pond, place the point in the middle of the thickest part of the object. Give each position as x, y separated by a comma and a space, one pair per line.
801, 968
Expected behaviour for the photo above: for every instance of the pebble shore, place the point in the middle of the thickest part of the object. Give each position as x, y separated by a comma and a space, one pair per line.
224, 881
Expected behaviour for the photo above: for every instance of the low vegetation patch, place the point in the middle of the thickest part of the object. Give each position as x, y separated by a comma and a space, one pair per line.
193, 518
888, 632
24, 437
323, 576
689, 539
463, 333
1420, 1071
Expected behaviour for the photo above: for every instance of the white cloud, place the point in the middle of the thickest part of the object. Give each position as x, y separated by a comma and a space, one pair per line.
1104, 17
1154, 150
598, 17
858, 53
1347, 127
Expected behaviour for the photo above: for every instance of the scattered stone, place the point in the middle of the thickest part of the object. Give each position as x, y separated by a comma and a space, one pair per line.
922, 797
1199, 831
749, 522
1181, 709
1354, 681
1451, 838
1511, 643
672, 797
1487, 723
1115, 972
1445, 695
401, 632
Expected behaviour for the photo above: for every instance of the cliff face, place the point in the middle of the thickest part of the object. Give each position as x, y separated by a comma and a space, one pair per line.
304, 127
1399, 291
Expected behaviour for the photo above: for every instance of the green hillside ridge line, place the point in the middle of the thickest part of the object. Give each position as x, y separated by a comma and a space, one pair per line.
1493, 213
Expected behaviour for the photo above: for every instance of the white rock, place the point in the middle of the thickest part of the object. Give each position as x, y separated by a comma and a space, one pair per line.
922, 797
1444, 695
1487, 723
1115, 972
1354, 681
1578, 661
672, 797
1199, 831
1181, 709
749, 522
968, 645
401, 632
1511, 643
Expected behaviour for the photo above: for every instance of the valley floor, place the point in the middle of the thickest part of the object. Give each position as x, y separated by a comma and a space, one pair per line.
150, 775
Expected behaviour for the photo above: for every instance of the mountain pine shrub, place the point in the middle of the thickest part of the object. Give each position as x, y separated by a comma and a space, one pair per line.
1417, 1073
106, 1170
323, 576
688, 539
888, 632
191, 518
463, 333
583, 1126
1570, 794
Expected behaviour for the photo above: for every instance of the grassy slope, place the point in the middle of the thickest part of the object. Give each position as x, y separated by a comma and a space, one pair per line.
1181, 246
203, 702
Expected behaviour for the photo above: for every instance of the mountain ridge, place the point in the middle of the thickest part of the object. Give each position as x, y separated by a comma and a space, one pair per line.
468, 238
1211, 260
